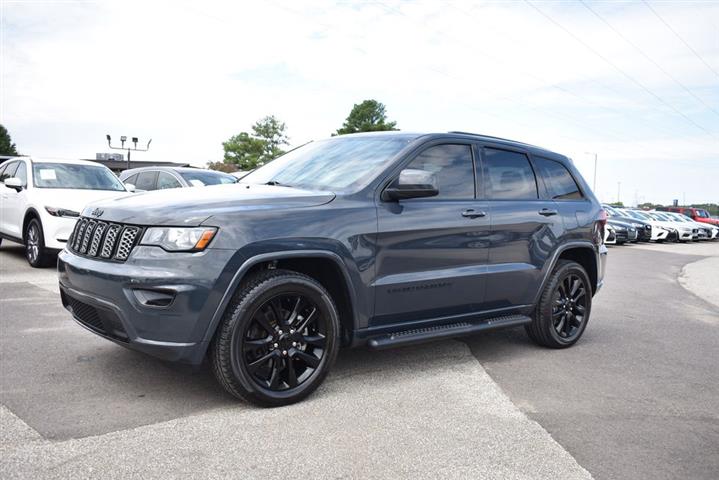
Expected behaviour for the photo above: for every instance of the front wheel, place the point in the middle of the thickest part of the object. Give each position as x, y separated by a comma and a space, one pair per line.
564, 307
35, 252
277, 340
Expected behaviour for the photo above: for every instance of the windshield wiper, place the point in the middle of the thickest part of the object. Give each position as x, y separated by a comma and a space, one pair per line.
277, 184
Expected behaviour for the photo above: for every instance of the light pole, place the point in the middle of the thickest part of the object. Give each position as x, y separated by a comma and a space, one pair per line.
594, 182
122, 146
619, 189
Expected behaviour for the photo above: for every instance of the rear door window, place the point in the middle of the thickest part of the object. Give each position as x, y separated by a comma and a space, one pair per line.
560, 183
146, 180
166, 180
509, 175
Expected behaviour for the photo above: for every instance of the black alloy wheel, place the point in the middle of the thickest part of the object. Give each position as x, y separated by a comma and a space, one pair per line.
284, 342
570, 306
277, 340
564, 307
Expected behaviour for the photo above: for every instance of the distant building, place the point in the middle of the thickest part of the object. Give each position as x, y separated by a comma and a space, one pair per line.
117, 163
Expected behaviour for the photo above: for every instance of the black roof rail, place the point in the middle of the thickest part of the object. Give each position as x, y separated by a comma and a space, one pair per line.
491, 137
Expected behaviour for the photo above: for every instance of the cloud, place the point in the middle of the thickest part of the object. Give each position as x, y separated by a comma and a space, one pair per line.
190, 74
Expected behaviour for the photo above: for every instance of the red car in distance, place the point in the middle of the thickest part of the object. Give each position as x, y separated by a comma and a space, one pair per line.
696, 214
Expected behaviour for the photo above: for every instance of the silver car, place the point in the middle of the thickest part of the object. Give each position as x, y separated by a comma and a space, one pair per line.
160, 178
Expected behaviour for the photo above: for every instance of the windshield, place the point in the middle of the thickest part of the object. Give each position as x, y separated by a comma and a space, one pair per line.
336, 164
611, 211
200, 178
702, 213
75, 176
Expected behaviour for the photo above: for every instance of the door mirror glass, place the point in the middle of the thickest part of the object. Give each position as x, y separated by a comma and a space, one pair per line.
130, 187
13, 182
412, 183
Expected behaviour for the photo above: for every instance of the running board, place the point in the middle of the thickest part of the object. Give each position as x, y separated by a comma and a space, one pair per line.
420, 335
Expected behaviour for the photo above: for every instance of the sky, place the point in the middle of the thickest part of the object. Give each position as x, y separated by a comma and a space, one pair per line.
636, 83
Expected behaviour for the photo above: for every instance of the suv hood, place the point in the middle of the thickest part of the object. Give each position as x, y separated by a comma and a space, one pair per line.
72, 199
191, 206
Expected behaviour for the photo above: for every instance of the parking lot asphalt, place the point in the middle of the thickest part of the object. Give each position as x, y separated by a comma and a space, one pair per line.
638, 397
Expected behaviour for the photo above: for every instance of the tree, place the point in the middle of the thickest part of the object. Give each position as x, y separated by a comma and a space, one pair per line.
617, 204
247, 151
368, 116
6, 145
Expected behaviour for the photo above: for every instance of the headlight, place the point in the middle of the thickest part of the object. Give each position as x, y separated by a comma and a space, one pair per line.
61, 212
179, 239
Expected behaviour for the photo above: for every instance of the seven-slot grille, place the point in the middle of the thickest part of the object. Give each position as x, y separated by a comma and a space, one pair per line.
110, 241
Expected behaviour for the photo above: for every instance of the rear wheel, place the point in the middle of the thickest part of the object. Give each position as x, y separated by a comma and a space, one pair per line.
564, 307
35, 252
277, 340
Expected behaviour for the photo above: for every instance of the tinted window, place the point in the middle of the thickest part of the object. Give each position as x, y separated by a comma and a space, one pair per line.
509, 175
146, 180
200, 178
21, 173
452, 164
75, 176
166, 180
559, 181
8, 171
131, 179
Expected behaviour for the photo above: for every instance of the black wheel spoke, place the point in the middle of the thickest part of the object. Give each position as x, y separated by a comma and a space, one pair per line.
311, 317
315, 340
257, 343
275, 375
276, 310
309, 360
260, 361
261, 319
291, 373
295, 311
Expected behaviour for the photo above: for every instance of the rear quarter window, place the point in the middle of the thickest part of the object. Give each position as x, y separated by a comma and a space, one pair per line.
560, 183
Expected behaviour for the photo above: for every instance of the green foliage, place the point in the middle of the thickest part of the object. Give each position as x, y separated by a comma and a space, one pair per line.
222, 167
6, 145
368, 116
617, 204
712, 208
247, 151
649, 206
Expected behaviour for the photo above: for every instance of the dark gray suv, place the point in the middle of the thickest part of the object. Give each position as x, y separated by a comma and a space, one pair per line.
381, 239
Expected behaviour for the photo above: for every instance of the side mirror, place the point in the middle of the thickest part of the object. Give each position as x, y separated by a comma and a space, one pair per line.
14, 183
130, 187
412, 183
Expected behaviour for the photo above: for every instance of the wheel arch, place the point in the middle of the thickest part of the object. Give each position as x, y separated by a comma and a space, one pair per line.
314, 263
29, 215
584, 253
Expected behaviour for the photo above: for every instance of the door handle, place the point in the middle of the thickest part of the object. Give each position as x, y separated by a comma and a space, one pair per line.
472, 213
547, 212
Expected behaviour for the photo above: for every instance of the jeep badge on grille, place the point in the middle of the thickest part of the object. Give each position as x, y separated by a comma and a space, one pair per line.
97, 212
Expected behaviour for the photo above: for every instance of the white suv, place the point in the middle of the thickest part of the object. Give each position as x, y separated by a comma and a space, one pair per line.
40, 201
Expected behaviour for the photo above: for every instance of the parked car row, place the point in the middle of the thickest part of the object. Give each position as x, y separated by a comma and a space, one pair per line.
634, 225
41, 199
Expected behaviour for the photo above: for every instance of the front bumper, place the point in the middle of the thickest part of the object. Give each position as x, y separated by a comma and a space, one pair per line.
601, 252
156, 302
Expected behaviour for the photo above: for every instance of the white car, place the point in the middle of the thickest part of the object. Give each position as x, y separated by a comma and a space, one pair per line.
711, 230
40, 201
660, 233
685, 232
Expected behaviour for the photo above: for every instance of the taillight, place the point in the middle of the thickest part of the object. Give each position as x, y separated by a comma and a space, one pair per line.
599, 225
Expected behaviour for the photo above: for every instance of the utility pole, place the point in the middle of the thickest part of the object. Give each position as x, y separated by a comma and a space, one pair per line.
594, 182
122, 146
619, 189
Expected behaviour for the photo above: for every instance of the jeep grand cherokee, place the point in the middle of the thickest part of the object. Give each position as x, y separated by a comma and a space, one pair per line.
381, 239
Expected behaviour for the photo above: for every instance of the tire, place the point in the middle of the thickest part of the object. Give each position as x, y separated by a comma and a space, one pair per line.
35, 252
256, 354
559, 323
